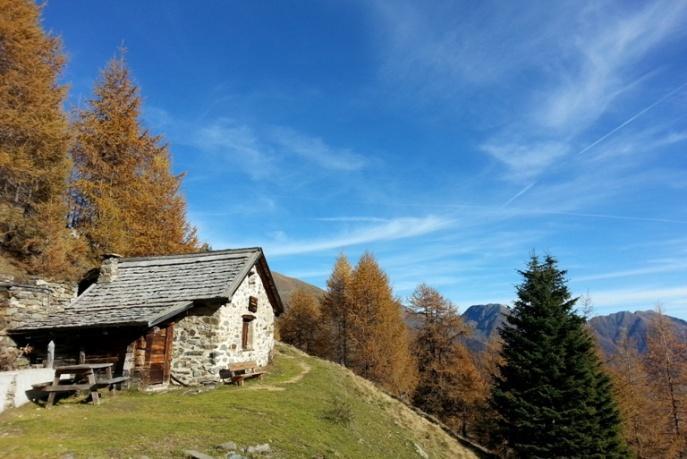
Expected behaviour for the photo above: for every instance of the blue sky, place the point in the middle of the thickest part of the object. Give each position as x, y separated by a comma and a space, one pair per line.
451, 139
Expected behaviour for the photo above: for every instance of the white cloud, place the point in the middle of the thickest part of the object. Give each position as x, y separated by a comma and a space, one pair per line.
398, 228
525, 162
639, 297
661, 268
640, 141
237, 142
579, 58
314, 149
267, 151
438, 48
351, 219
156, 117
605, 45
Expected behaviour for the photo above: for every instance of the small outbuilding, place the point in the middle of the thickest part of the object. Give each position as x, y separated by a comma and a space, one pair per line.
162, 319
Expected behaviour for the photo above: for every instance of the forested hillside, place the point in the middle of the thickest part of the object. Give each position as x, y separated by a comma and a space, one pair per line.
611, 331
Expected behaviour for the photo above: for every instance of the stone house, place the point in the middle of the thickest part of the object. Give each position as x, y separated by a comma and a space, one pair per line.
177, 318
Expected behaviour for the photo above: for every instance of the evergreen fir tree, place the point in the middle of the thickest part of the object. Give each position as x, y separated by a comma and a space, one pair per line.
552, 396
128, 199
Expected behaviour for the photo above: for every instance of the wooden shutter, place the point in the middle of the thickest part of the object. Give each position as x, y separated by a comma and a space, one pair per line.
244, 334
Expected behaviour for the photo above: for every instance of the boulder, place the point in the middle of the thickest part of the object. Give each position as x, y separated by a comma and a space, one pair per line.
228, 446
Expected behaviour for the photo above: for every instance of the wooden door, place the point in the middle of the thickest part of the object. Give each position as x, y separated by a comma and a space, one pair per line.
159, 354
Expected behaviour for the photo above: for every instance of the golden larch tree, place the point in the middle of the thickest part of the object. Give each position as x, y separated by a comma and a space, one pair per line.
666, 364
450, 385
34, 137
127, 199
335, 311
634, 395
302, 324
379, 339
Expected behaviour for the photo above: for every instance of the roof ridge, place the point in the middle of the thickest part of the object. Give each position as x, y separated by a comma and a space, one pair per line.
191, 255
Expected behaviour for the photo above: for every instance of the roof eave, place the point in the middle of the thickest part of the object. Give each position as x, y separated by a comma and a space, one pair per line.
47, 328
271, 287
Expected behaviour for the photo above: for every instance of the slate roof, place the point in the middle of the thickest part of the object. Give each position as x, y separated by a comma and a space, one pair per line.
149, 290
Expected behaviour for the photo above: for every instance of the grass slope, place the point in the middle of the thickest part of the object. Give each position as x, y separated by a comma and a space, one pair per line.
286, 410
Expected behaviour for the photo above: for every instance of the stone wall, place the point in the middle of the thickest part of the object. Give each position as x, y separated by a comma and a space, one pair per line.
209, 338
21, 303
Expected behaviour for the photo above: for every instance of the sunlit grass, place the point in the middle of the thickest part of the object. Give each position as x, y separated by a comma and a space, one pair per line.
287, 410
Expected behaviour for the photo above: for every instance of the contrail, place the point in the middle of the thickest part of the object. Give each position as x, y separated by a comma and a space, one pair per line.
631, 119
519, 193
615, 217
605, 136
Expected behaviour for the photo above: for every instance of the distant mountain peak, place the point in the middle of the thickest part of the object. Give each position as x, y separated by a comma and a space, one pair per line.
609, 329
485, 319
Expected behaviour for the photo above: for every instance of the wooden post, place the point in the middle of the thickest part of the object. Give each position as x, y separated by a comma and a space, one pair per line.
51, 396
50, 361
95, 396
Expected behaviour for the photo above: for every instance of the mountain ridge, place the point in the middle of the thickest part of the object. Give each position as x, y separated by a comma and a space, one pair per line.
485, 320
609, 330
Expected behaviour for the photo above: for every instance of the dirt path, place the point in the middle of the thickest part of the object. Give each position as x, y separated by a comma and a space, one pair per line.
305, 369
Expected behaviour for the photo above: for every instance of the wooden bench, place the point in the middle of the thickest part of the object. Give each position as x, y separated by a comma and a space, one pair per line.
68, 385
83, 378
113, 384
238, 372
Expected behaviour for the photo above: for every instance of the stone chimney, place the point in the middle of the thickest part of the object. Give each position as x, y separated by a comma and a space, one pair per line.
109, 269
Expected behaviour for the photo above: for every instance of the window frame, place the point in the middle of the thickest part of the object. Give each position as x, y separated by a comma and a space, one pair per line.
247, 332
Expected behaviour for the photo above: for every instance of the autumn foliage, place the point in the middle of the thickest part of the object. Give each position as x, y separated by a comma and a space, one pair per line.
651, 390
450, 385
379, 339
337, 313
361, 324
117, 195
127, 199
302, 324
34, 137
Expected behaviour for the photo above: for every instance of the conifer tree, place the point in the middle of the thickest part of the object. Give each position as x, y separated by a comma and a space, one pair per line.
34, 136
335, 311
485, 426
552, 397
641, 419
666, 364
128, 200
301, 325
450, 385
379, 339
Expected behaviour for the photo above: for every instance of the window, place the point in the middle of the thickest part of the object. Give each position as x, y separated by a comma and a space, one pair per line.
253, 304
247, 333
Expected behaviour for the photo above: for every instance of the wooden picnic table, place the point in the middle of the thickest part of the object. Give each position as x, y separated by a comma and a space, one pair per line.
82, 372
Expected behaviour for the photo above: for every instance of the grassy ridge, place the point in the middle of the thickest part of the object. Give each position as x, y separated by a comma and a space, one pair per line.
287, 410
287, 285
